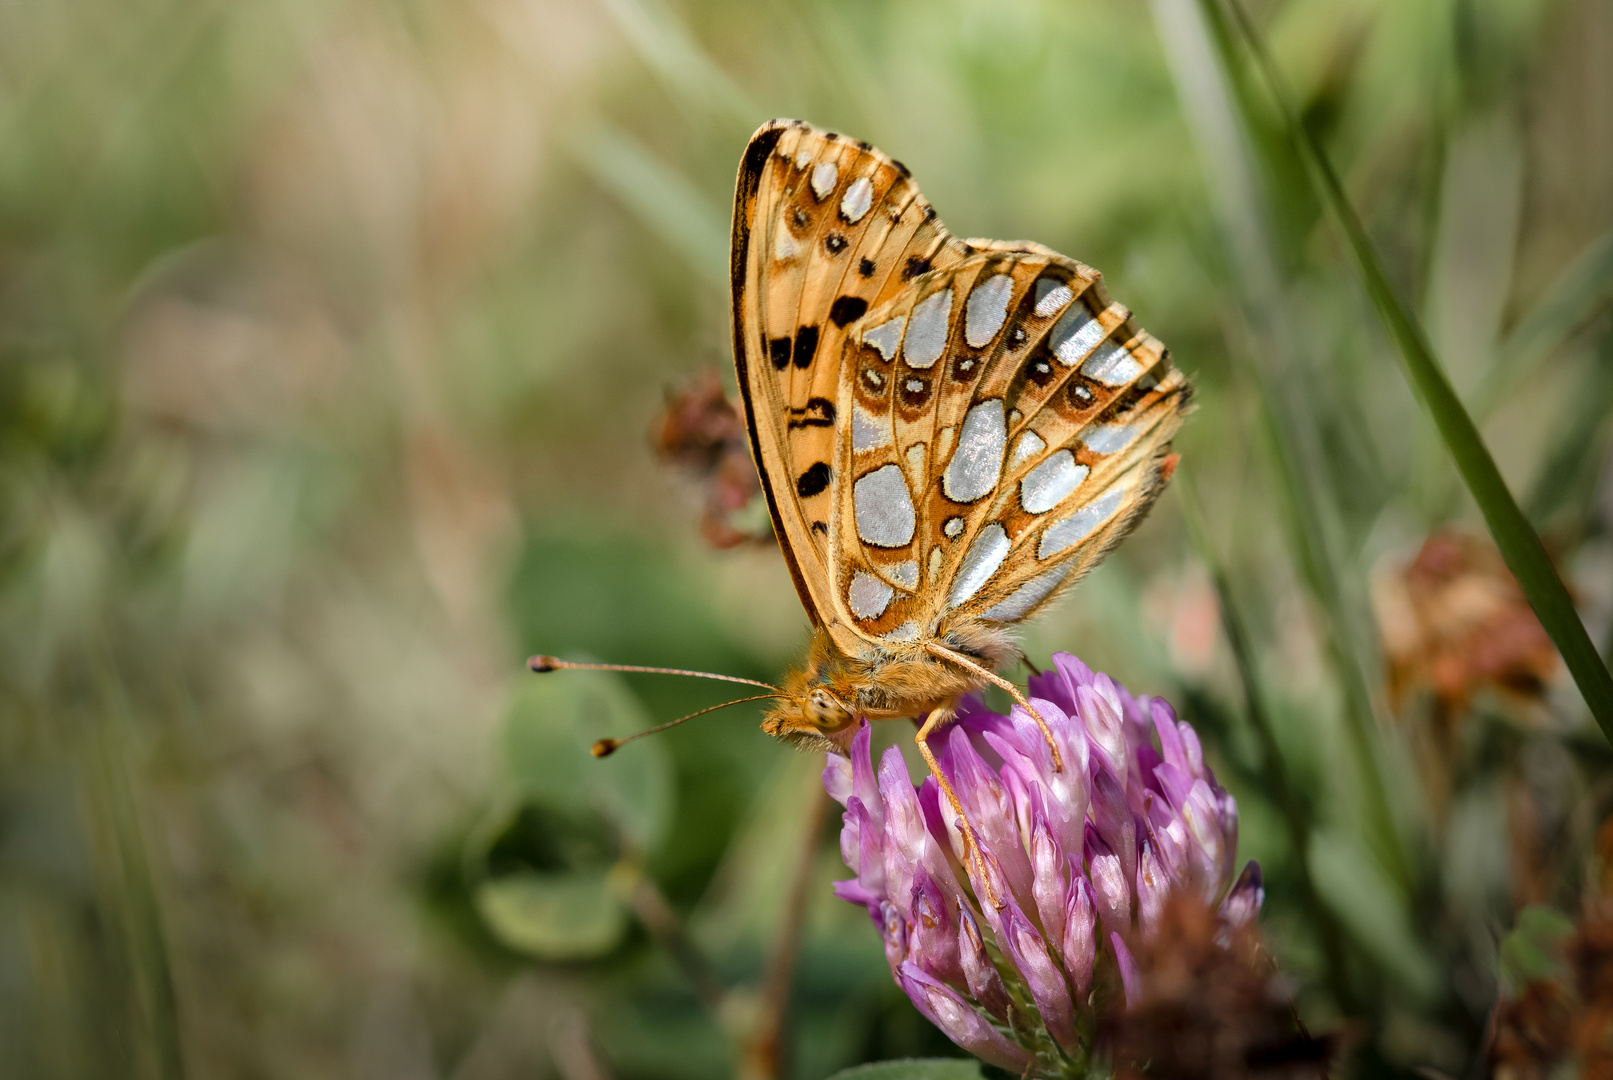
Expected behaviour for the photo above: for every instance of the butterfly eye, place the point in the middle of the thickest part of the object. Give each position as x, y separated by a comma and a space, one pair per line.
823, 712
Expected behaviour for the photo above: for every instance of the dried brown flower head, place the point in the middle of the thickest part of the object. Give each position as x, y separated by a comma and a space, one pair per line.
1561, 1023
1455, 621
1210, 1004
700, 432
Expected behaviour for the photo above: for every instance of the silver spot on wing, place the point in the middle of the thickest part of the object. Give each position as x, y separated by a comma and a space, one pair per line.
1051, 294
1045, 486
1074, 335
883, 507
824, 178
1016, 604
867, 433
1067, 532
978, 460
1108, 438
905, 574
985, 555
927, 336
1026, 447
858, 198
986, 310
886, 336
868, 596
1112, 365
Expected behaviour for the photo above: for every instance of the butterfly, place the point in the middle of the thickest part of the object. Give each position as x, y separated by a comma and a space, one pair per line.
949, 433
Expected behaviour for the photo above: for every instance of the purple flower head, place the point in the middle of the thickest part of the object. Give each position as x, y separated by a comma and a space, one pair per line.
1000, 947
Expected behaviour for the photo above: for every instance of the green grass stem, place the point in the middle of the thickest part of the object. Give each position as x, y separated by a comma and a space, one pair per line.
1519, 544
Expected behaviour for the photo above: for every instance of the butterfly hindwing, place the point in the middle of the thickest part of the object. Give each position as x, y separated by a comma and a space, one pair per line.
1026, 419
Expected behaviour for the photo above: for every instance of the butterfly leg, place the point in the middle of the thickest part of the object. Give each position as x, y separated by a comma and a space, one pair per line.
937, 649
936, 718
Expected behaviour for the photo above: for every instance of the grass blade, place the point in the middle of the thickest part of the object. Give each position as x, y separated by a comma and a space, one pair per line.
1578, 292
667, 46
661, 198
1198, 64
1519, 544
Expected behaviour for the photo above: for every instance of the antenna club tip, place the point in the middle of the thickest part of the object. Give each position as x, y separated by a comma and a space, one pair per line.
543, 663
605, 747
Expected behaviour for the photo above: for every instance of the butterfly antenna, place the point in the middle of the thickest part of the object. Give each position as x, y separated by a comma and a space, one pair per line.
606, 747
553, 663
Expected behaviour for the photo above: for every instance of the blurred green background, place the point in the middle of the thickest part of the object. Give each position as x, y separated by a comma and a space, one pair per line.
330, 332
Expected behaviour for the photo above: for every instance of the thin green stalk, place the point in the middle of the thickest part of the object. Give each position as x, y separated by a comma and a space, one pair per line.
661, 198
1519, 544
1199, 52
1272, 766
131, 885
1577, 294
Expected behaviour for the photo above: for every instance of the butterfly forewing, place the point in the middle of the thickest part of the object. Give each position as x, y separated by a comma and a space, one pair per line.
946, 429
824, 229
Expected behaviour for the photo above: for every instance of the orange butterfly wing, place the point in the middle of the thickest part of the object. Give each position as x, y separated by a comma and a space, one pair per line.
1006, 425
945, 429
824, 229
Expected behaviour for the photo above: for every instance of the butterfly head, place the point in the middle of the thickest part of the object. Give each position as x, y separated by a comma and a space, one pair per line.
810, 713
824, 712
815, 720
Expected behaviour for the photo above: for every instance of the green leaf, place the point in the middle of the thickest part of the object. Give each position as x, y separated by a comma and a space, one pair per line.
1533, 948
1520, 546
553, 721
574, 916
915, 1069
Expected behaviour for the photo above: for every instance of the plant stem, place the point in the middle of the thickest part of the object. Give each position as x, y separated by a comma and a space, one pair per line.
666, 928
766, 1048
1197, 48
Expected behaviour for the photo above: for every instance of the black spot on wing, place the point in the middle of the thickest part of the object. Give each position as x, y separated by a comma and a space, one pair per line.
818, 412
835, 243
1040, 371
847, 309
915, 391
813, 481
806, 344
820, 527
778, 351
915, 266
866, 268
903, 169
